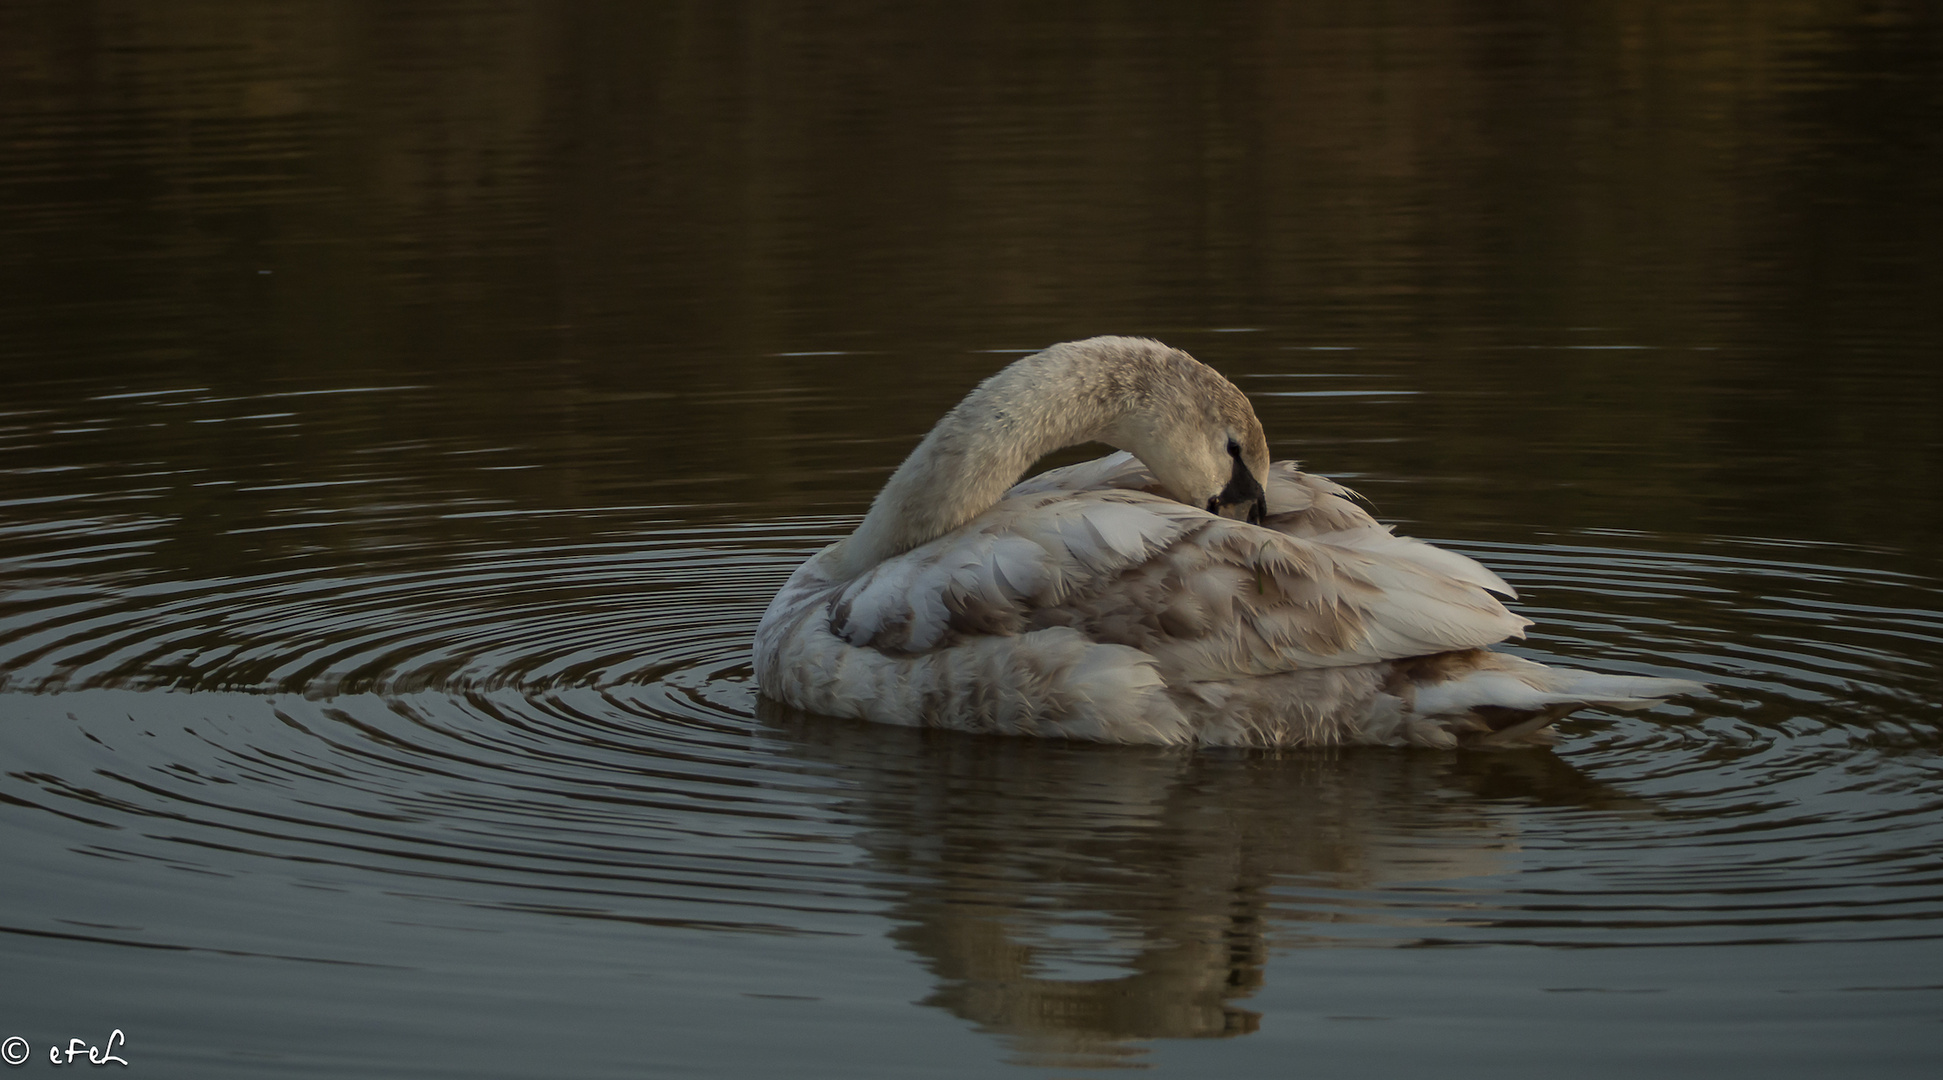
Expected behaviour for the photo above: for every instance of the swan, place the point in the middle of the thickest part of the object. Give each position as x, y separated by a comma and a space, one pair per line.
1183, 591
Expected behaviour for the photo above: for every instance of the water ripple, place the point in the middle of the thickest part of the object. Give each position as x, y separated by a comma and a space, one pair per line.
572, 731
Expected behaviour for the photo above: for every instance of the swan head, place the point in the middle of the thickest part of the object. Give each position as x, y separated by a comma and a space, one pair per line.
1199, 436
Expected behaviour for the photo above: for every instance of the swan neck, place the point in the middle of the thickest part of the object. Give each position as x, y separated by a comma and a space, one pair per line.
1058, 398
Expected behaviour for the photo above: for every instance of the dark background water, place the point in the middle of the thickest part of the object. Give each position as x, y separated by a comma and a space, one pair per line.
407, 409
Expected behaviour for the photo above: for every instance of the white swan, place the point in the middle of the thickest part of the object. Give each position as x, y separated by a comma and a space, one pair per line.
1124, 599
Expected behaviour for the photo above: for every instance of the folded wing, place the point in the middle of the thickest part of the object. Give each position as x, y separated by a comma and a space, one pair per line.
1089, 547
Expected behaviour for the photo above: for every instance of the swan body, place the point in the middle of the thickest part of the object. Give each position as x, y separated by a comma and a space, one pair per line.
1181, 591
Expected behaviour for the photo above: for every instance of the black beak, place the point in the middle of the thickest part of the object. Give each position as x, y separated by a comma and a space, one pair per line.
1242, 490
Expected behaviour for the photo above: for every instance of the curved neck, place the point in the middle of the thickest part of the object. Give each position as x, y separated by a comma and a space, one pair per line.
1069, 394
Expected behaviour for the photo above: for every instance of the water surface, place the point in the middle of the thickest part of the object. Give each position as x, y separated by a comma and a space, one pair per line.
408, 413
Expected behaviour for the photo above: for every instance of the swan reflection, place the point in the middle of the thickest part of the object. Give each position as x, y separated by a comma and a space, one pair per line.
1078, 899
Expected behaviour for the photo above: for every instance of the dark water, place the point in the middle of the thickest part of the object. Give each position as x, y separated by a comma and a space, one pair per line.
406, 411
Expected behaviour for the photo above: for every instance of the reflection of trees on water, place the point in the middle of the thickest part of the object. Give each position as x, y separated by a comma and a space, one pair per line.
1076, 898
623, 232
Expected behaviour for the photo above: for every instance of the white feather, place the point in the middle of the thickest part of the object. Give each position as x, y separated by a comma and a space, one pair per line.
1088, 603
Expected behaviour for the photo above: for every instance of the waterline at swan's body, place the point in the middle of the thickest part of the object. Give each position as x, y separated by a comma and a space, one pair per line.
1127, 599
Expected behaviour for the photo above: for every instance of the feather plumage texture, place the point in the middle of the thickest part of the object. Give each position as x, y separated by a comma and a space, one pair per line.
1087, 603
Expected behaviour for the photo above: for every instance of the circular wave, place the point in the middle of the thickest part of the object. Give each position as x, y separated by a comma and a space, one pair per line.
535, 618
572, 731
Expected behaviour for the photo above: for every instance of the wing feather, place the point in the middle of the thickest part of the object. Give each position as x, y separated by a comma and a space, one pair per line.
1206, 597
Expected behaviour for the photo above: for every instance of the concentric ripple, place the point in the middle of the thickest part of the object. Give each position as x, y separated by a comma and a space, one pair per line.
586, 615
572, 731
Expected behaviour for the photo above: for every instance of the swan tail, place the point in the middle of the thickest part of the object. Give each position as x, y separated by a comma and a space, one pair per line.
1489, 698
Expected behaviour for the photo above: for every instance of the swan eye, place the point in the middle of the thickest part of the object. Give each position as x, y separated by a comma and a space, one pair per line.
1234, 449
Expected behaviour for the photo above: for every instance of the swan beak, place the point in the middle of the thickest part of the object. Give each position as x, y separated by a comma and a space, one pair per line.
1243, 490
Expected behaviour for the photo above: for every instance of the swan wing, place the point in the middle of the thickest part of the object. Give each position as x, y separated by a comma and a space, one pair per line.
1207, 597
1119, 470
1299, 503
1235, 599
1028, 554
